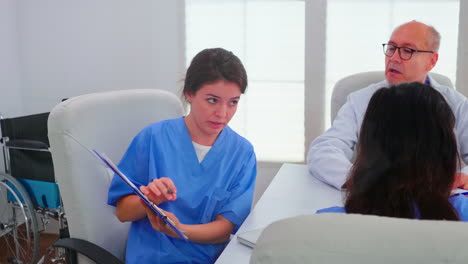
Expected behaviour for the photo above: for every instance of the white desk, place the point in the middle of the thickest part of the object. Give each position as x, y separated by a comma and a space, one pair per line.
292, 192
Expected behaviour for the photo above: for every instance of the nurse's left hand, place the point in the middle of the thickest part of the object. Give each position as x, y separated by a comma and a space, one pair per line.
461, 181
159, 224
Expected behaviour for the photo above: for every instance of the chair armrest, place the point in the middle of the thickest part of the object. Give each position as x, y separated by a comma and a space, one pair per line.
27, 144
90, 250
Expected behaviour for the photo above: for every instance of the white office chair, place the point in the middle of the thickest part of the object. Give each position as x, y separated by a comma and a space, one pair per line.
107, 122
361, 80
360, 239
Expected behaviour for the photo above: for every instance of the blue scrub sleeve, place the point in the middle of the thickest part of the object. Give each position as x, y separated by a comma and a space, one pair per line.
237, 207
460, 203
134, 165
334, 209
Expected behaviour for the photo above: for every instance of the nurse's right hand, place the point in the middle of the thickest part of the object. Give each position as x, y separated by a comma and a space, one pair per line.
160, 190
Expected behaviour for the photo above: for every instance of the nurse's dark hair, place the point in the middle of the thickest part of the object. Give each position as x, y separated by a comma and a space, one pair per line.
407, 156
212, 65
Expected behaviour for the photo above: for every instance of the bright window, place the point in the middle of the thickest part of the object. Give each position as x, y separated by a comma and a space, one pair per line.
268, 36
356, 30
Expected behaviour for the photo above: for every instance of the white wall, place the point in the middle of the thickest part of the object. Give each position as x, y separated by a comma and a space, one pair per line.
315, 61
68, 48
266, 171
10, 93
10, 96
54, 49
462, 62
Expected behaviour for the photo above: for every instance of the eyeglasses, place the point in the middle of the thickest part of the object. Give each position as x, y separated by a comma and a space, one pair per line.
404, 52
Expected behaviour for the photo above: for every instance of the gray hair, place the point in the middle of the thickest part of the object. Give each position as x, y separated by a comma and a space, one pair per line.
434, 38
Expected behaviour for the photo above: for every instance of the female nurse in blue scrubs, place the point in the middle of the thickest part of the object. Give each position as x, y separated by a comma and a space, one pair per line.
196, 168
407, 159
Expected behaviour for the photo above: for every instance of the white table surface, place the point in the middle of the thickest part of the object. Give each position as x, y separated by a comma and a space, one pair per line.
292, 192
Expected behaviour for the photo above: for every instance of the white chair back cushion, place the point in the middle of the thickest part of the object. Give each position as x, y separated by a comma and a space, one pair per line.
106, 122
361, 80
360, 239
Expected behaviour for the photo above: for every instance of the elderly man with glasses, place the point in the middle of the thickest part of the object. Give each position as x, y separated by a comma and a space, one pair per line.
410, 54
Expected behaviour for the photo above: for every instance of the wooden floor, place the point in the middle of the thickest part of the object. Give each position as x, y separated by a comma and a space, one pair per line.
45, 240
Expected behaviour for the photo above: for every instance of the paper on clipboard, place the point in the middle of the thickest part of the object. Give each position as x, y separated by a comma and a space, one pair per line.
459, 191
108, 162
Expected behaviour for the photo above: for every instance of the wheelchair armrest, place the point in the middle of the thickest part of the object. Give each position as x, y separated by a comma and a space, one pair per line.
90, 250
27, 144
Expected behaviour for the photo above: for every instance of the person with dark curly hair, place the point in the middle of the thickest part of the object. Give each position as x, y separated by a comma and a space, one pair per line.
407, 158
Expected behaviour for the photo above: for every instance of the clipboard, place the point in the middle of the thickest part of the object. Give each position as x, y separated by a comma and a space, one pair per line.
458, 191
137, 191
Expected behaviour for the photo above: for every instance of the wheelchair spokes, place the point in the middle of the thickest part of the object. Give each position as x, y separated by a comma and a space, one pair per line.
57, 255
19, 238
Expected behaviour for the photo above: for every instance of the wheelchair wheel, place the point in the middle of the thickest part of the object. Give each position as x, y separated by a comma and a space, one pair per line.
19, 236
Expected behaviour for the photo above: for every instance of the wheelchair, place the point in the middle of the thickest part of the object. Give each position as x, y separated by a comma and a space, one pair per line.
29, 195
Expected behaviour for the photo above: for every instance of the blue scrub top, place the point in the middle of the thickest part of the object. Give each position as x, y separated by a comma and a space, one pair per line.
459, 202
222, 184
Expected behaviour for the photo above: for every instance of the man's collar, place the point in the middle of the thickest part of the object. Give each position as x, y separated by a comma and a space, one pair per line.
427, 81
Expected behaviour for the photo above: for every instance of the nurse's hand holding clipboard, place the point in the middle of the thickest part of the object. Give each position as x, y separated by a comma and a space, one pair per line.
159, 191
159, 224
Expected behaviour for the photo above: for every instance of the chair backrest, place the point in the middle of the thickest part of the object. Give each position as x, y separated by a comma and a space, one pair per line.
26, 157
30, 127
26, 147
107, 122
360, 239
361, 80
